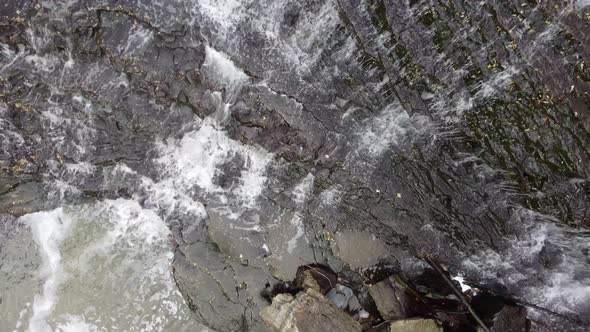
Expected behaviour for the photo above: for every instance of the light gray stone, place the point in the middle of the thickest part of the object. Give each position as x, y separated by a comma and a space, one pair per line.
310, 311
416, 325
359, 249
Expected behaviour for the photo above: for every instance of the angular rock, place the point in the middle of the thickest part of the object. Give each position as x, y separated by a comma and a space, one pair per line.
317, 276
342, 296
390, 298
310, 311
416, 325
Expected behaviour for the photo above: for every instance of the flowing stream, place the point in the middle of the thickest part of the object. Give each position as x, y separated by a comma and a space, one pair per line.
269, 126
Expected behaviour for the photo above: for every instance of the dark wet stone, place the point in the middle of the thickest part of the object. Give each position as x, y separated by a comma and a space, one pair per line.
229, 173
379, 272
550, 256
511, 319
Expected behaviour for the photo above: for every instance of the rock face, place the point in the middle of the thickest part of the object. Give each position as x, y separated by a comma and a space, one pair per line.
416, 325
309, 311
274, 134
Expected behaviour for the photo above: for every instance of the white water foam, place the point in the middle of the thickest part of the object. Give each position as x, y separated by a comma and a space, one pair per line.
228, 80
564, 288
220, 68
49, 230
195, 159
464, 287
299, 235
229, 18
390, 128
106, 267
303, 189
222, 13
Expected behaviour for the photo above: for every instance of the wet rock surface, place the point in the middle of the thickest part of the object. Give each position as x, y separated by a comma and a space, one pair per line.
391, 300
309, 311
314, 143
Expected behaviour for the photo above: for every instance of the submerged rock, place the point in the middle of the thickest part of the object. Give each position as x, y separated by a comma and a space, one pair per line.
359, 249
309, 311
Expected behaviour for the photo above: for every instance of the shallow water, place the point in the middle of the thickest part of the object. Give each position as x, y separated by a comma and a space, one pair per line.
102, 267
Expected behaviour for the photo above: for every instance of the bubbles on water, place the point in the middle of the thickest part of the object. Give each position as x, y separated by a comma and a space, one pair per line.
195, 160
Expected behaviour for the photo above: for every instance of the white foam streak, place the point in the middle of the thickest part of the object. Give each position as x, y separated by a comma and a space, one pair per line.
49, 230
303, 189
219, 67
116, 247
298, 223
226, 77
391, 127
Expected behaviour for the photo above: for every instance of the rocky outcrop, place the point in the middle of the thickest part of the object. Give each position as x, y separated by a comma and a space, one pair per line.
391, 130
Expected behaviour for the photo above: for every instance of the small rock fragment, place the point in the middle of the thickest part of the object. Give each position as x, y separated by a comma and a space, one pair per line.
341, 296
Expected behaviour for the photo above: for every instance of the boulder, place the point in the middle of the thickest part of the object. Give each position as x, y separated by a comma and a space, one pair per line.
416, 325
309, 311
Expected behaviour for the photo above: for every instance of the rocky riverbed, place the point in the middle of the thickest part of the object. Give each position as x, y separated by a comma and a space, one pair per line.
224, 165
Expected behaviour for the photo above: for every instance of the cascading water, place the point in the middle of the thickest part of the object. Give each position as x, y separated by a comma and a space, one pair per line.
163, 162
